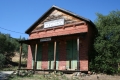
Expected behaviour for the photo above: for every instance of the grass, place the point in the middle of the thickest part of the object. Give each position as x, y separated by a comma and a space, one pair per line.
37, 77
34, 77
13, 68
50, 76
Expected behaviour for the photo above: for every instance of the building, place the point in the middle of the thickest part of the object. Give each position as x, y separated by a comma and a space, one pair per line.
59, 40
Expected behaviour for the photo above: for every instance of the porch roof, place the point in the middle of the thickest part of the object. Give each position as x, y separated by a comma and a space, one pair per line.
28, 41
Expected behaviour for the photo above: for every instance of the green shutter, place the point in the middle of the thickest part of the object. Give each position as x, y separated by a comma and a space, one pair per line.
39, 56
71, 48
74, 62
50, 55
69, 54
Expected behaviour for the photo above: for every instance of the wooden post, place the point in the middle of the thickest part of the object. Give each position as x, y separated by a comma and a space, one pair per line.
35, 62
19, 66
78, 62
55, 55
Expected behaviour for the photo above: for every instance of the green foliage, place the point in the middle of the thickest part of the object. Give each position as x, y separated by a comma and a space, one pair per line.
2, 60
11, 68
8, 47
107, 43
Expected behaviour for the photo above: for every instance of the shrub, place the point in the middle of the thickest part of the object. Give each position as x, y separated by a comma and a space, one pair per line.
2, 60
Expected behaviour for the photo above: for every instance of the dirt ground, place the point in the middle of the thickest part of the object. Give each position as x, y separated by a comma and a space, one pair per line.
103, 77
94, 77
70, 77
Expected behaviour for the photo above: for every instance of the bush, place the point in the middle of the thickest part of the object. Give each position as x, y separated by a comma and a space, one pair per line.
2, 60
106, 54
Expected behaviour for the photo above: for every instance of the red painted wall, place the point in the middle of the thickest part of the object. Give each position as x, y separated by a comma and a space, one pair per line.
45, 56
85, 42
71, 29
29, 59
62, 55
85, 47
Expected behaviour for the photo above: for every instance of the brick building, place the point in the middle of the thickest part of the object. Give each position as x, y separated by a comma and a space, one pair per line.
59, 40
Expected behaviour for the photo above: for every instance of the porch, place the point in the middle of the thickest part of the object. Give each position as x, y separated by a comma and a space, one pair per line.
60, 53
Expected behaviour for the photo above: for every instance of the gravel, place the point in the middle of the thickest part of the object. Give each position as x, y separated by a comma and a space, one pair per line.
5, 74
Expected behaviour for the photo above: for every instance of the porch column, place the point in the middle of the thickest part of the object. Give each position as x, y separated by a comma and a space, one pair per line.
35, 62
19, 66
78, 62
55, 55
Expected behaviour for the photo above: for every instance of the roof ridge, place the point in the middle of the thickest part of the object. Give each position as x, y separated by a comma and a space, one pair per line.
68, 11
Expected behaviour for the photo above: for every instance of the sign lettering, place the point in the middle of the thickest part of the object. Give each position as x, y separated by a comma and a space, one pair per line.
54, 23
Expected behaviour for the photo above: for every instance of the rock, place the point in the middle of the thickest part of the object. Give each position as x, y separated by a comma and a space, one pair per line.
89, 72
82, 74
75, 74
93, 72
97, 77
79, 73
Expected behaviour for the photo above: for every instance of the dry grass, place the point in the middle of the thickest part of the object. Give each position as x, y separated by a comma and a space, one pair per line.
69, 77
15, 67
101, 77
17, 57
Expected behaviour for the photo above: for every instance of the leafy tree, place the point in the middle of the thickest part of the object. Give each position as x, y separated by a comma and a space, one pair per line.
6, 49
17, 46
107, 43
2, 60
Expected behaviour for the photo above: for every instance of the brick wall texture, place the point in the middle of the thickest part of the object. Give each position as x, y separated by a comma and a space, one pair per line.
85, 43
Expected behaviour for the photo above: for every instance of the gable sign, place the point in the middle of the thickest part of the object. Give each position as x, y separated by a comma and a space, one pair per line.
45, 39
54, 23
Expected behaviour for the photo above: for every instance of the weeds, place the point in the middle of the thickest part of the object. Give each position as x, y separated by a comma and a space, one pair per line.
28, 75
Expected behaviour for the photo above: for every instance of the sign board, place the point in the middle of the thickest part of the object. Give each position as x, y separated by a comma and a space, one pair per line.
54, 23
45, 39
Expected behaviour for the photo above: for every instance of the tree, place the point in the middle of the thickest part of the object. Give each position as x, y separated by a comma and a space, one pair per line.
2, 60
17, 46
6, 50
8, 47
107, 43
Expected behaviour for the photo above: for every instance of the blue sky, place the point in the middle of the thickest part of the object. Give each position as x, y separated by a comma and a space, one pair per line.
19, 15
